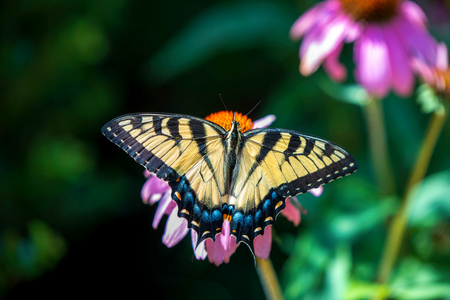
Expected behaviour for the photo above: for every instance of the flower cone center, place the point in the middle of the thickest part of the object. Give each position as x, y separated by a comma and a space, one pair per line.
442, 81
224, 119
371, 10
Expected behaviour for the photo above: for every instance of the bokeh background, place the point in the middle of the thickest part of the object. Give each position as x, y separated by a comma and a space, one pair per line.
71, 219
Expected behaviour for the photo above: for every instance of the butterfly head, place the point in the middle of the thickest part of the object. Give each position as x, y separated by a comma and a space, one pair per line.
235, 123
234, 133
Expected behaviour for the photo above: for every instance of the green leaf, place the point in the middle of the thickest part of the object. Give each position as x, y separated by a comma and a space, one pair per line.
350, 93
364, 290
302, 271
337, 273
430, 200
415, 279
349, 225
423, 292
428, 99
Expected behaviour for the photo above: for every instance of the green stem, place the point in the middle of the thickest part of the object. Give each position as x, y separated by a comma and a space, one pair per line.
399, 222
268, 278
378, 147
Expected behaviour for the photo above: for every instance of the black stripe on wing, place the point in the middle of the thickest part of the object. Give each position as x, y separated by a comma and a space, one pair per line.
342, 165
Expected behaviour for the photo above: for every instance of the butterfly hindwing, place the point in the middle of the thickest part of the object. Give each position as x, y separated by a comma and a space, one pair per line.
274, 164
187, 152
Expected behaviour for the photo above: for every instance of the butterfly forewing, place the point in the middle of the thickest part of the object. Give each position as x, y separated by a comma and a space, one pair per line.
274, 164
187, 152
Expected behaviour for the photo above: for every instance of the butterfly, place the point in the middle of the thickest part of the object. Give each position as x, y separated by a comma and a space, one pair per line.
217, 174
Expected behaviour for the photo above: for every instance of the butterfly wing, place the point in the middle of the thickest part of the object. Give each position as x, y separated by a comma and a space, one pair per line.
185, 151
274, 164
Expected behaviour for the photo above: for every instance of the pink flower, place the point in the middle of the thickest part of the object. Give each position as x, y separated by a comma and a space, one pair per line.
387, 34
436, 76
220, 250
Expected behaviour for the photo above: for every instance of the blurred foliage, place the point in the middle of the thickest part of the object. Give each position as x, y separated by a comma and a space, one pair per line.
428, 99
71, 220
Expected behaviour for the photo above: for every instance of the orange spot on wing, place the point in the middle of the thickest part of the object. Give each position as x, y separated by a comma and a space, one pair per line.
227, 217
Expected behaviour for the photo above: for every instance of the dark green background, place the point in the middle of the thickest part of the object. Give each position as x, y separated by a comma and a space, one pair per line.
71, 219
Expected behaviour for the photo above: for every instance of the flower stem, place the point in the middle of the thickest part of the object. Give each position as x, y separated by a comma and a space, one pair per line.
398, 224
268, 278
378, 147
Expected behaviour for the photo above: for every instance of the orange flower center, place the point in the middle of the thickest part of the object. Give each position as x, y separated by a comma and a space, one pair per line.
371, 10
224, 119
442, 82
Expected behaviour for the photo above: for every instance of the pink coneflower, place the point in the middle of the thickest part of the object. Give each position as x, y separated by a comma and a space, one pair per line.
387, 36
436, 76
220, 250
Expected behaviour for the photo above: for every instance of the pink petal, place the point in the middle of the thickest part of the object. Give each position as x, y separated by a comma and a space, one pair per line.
311, 17
225, 237
402, 76
165, 206
442, 57
333, 67
372, 62
354, 32
200, 251
418, 43
425, 71
159, 185
176, 229
224, 246
321, 41
263, 243
414, 13
153, 189
317, 192
264, 122
291, 212
154, 198
146, 191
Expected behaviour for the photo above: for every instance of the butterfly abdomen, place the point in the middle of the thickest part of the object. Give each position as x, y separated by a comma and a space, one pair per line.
230, 143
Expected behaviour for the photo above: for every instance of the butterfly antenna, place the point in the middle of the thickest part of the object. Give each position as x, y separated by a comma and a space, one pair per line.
254, 107
220, 96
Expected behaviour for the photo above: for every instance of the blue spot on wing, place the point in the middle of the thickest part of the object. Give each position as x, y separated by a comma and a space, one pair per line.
216, 215
258, 216
248, 221
197, 210
238, 217
267, 204
188, 198
206, 217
